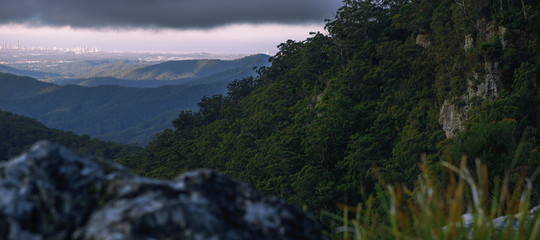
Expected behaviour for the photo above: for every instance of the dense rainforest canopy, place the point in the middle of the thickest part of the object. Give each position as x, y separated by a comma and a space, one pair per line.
391, 84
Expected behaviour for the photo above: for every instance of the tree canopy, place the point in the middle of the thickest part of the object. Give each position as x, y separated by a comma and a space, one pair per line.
338, 112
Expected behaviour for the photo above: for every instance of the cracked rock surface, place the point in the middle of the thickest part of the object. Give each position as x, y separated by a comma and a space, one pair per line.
50, 192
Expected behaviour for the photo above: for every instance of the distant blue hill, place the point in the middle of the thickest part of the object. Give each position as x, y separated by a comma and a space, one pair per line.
113, 113
34, 74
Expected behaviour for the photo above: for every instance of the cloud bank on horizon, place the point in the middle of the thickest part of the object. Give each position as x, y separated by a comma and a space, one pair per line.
182, 14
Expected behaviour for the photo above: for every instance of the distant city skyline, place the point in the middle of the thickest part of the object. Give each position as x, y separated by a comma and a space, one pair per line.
8, 46
238, 38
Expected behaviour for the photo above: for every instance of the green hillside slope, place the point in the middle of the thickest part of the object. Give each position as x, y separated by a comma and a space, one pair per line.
99, 81
392, 84
18, 133
16, 87
90, 69
196, 69
191, 72
34, 74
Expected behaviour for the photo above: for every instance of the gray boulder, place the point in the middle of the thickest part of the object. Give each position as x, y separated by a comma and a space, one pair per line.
499, 224
50, 192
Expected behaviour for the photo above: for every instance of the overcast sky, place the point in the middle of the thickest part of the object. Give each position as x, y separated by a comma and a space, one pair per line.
235, 26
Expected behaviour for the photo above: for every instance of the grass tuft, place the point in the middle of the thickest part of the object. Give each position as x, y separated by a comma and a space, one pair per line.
466, 205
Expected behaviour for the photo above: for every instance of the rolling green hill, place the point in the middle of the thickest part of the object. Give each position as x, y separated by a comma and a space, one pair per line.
99, 81
34, 74
18, 133
192, 72
90, 69
195, 69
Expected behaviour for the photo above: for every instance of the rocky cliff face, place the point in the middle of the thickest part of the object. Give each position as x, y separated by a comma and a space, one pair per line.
483, 82
51, 193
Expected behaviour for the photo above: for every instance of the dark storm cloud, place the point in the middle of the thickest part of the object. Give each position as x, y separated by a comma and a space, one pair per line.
164, 13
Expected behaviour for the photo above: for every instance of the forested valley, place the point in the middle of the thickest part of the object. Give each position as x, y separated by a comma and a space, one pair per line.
392, 84
116, 104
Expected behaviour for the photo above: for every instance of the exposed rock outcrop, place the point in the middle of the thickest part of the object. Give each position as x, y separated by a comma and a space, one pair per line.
452, 115
483, 84
423, 40
51, 193
469, 42
500, 223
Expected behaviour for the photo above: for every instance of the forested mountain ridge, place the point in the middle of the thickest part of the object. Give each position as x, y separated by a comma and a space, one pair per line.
392, 84
193, 69
91, 68
16, 87
18, 133
34, 74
